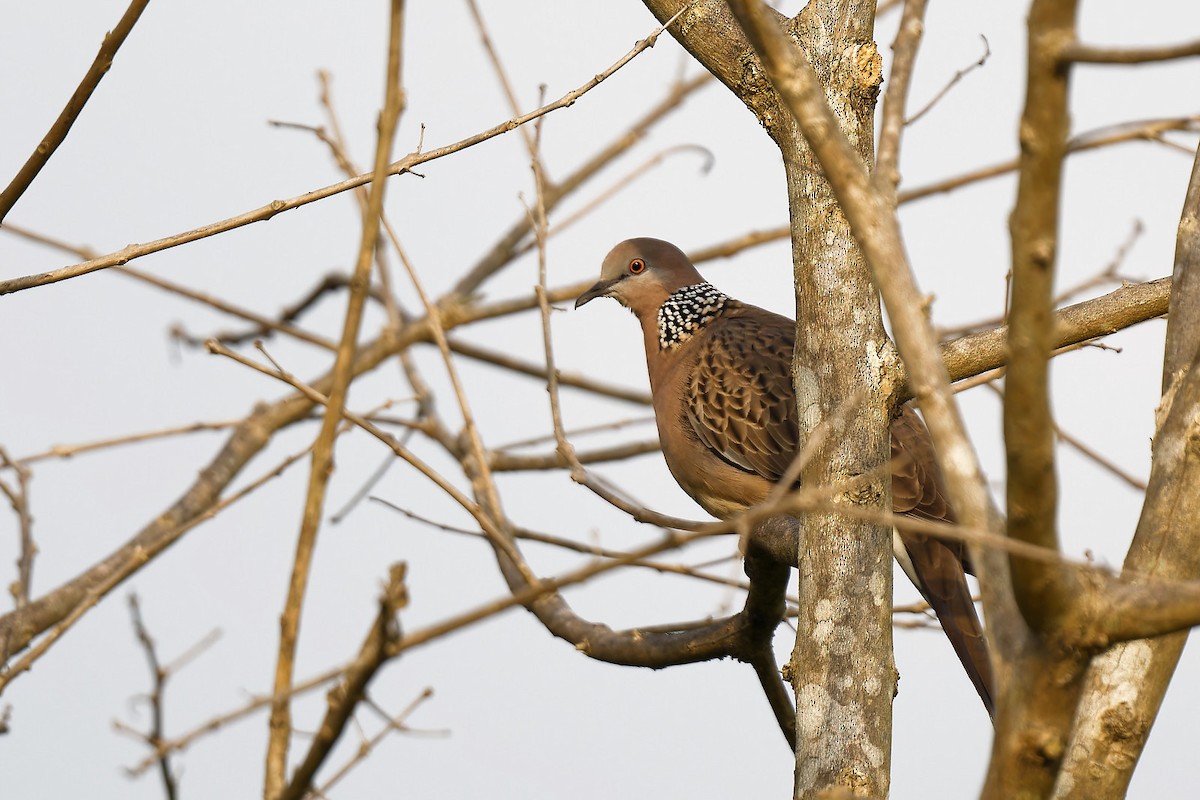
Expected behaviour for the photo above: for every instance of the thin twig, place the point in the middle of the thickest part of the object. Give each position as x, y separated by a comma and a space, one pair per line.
485, 522
393, 724
509, 362
127, 254
159, 677
1148, 130
542, 587
376, 649
457, 622
1111, 273
265, 325
124, 569
999, 372
690, 571
72, 450
503, 252
397, 316
1086, 451
255, 703
563, 447
509, 462
732, 247
1095, 54
576, 432
18, 498
66, 118
510, 95
616, 187
908, 41
958, 76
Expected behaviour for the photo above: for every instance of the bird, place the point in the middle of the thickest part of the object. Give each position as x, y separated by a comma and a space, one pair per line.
721, 383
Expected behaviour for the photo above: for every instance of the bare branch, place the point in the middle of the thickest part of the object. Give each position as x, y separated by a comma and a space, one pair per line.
1096, 54
509, 462
958, 76
616, 187
908, 40
1110, 274
501, 75
1088, 452
127, 254
736, 245
1149, 130
218, 722
578, 547
18, 498
66, 118
507, 247
345, 697
563, 447
1043, 592
159, 677
265, 326
499, 359
1101, 316
394, 723
72, 450
1085, 450
578, 431
58, 611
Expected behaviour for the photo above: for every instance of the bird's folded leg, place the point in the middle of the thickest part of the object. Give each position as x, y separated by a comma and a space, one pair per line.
776, 539
765, 608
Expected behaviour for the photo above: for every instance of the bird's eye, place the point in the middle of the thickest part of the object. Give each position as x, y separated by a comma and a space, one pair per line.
637, 266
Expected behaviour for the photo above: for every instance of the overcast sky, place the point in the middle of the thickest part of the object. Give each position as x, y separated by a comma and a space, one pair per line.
177, 137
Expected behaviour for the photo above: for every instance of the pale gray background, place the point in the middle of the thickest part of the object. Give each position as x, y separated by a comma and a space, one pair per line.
175, 137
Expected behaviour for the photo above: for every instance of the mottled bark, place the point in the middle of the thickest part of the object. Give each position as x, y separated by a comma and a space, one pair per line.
842, 668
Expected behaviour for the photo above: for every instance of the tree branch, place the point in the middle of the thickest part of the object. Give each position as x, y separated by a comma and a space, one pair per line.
158, 676
1043, 592
1095, 54
345, 697
1119, 309
908, 40
66, 118
1046, 680
322, 455
127, 254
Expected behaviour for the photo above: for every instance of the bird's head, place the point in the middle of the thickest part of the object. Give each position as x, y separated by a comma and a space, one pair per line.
641, 273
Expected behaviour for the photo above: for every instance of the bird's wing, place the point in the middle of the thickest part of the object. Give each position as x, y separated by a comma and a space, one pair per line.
738, 397
741, 405
917, 486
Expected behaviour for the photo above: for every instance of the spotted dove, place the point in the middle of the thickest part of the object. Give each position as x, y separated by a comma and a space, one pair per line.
720, 377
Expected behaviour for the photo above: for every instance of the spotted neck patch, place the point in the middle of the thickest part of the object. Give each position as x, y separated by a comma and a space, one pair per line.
686, 311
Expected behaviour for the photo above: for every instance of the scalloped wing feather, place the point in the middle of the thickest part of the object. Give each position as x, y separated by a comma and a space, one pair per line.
739, 397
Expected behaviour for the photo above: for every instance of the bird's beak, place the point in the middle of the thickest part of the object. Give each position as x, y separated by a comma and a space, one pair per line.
600, 289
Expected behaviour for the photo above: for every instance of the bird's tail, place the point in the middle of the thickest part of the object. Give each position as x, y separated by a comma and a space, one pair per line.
940, 577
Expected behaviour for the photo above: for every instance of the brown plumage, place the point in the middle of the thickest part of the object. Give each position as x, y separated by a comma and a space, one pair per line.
721, 380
